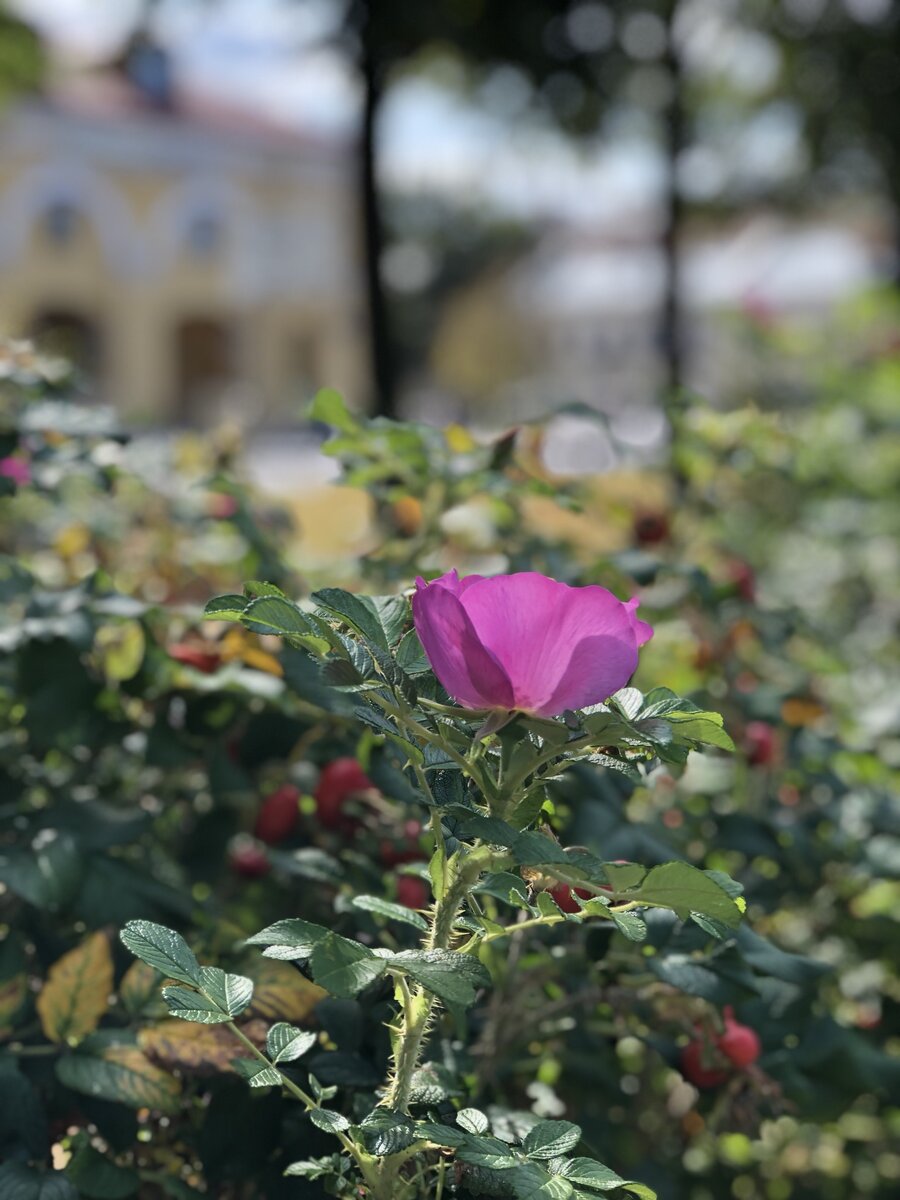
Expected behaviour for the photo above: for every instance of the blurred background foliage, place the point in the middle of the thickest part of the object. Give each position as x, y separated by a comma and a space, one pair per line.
143, 747
631, 268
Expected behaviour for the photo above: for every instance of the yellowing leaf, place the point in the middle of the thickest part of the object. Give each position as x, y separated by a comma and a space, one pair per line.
72, 540
76, 993
199, 1049
13, 993
459, 440
261, 661
140, 987
281, 993
120, 649
121, 1073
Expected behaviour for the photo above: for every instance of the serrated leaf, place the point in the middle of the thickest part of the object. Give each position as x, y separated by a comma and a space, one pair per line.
76, 993
685, 889
225, 608
232, 993
281, 993
631, 925
256, 1073
588, 1173
163, 949
390, 910
472, 1120
344, 967
453, 977
699, 728
189, 1005
529, 1181
254, 588
441, 1135
384, 1132
121, 1073
331, 1122
487, 1152
291, 939
278, 616
433, 1082
354, 611
551, 1139
285, 1042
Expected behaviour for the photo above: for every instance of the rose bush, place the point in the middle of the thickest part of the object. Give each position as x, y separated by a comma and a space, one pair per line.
133, 779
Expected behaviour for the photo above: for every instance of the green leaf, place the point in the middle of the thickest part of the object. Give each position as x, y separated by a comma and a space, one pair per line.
328, 406
120, 1072
256, 1073
291, 939
529, 1181
631, 925
588, 1173
96, 1177
385, 1132
393, 615
685, 889
194, 1006
472, 1120
389, 910
453, 977
699, 729
410, 655
21, 1182
279, 616
344, 967
487, 1152
225, 608
163, 949
356, 611
286, 1042
47, 873
331, 1122
232, 993
551, 1139
441, 1135
259, 587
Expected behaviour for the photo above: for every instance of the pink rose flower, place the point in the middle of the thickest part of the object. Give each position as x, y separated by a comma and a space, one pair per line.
525, 642
16, 469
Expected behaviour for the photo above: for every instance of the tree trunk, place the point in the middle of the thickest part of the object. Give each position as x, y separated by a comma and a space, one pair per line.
380, 350
670, 328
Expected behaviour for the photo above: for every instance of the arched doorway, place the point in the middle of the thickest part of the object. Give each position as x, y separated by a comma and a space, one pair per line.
70, 335
205, 364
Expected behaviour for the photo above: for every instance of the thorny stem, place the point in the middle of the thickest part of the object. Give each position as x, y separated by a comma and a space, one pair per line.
419, 1004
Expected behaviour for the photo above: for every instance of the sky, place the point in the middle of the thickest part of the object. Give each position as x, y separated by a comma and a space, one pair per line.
273, 56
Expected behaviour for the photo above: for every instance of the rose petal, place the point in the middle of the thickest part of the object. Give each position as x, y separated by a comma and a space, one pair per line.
560, 647
597, 667
469, 672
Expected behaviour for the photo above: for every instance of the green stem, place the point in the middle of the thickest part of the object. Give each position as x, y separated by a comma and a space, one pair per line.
419, 1003
292, 1087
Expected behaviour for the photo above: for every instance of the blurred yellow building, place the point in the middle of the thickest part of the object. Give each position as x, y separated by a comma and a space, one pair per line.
194, 261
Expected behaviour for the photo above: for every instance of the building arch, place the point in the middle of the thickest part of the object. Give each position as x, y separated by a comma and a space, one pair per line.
67, 185
220, 204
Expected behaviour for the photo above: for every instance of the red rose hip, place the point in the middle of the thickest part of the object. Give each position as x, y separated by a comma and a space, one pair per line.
698, 1068
412, 891
739, 1043
565, 897
277, 816
339, 780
